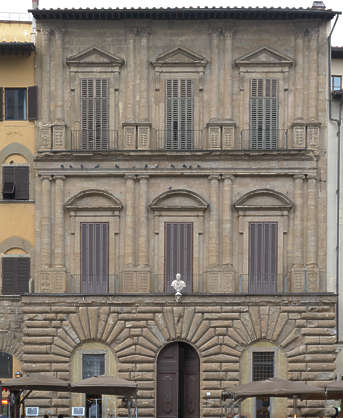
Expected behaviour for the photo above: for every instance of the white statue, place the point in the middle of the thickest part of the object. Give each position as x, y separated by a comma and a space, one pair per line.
178, 285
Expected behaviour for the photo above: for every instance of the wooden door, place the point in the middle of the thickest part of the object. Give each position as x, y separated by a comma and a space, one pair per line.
178, 382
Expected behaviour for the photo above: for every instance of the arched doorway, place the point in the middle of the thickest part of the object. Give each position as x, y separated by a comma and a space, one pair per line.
178, 382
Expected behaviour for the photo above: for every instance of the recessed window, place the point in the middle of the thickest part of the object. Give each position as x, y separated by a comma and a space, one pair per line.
93, 365
6, 365
262, 369
336, 82
15, 100
15, 182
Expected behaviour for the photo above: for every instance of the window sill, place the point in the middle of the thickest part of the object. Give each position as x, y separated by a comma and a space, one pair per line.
16, 201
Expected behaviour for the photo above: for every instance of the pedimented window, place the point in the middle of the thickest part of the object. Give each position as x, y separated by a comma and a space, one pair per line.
179, 200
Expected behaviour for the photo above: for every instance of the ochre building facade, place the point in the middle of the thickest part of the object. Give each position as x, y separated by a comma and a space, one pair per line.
187, 141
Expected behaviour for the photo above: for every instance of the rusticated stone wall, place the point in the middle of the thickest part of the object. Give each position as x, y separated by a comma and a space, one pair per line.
11, 326
219, 328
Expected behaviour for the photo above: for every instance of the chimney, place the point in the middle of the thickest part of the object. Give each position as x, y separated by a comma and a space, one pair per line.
35, 4
318, 5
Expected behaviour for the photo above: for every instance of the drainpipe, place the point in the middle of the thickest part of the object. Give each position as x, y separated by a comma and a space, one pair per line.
338, 121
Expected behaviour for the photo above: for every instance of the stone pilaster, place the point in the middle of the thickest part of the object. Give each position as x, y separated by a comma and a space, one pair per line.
58, 130
143, 51
227, 221
214, 78
59, 222
45, 124
299, 76
298, 272
214, 227
313, 80
130, 77
45, 257
227, 97
129, 255
143, 241
312, 236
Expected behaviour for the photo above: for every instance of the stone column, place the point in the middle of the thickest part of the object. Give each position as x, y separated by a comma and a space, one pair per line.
299, 76
143, 241
130, 241
312, 221
227, 97
214, 228
46, 222
227, 221
59, 94
298, 220
59, 222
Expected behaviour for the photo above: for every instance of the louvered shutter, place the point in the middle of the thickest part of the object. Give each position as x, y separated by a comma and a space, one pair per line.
21, 181
15, 275
1, 103
178, 254
94, 114
262, 257
179, 115
32, 99
264, 124
94, 257
8, 186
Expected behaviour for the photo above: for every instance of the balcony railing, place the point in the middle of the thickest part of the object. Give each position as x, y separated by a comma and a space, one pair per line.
264, 139
94, 140
153, 140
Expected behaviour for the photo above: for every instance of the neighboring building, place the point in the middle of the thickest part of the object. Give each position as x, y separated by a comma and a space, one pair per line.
335, 195
188, 141
17, 112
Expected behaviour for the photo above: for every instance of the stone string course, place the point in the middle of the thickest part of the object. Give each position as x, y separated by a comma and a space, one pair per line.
137, 331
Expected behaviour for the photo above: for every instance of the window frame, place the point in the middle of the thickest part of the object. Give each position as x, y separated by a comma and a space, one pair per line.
25, 189
94, 354
333, 77
25, 105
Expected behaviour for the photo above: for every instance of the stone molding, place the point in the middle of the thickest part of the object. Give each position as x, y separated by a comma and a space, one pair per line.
264, 57
158, 204
94, 57
115, 203
284, 202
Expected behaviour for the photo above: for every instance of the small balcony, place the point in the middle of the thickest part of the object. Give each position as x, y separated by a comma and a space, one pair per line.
264, 140
92, 140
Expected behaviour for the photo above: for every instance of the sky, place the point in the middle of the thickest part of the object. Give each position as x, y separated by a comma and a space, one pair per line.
21, 6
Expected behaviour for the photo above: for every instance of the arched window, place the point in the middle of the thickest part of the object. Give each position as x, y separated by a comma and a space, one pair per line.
6, 365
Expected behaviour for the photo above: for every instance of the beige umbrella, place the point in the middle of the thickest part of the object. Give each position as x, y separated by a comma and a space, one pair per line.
37, 381
334, 390
276, 388
105, 385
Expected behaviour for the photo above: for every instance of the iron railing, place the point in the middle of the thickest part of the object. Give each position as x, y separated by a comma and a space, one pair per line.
264, 139
94, 140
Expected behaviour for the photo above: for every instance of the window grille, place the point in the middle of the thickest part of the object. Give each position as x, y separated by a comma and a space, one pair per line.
262, 365
93, 365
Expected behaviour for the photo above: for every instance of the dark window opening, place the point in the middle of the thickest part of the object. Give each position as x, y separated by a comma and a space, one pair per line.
6, 365
262, 369
15, 182
15, 104
15, 275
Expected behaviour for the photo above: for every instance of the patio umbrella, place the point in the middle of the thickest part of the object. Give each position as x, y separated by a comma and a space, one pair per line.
276, 388
334, 390
105, 385
37, 381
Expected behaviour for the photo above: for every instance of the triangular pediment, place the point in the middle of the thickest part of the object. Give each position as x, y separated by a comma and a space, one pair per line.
264, 56
94, 56
180, 56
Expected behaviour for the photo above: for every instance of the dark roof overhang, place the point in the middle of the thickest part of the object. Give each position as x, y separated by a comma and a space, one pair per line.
199, 13
337, 52
16, 48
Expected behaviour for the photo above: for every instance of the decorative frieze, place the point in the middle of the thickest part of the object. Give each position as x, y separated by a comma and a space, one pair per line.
214, 138
143, 137
58, 137
299, 136
45, 137
228, 137
130, 137
313, 136
135, 282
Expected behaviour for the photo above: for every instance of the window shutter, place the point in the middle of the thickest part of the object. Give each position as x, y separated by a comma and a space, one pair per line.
15, 275
1, 103
178, 254
262, 257
264, 114
94, 257
32, 98
21, 181
179, 114
6, 365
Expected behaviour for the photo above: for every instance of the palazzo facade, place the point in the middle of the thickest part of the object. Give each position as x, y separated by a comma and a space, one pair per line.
187, 141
